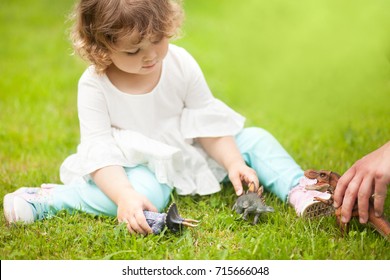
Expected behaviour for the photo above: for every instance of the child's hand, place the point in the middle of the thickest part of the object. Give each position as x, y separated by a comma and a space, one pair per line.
239, 172
130, 211
224, 151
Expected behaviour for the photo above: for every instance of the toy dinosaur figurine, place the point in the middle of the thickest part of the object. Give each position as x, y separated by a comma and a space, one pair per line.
327, 182
252, 202
172, 220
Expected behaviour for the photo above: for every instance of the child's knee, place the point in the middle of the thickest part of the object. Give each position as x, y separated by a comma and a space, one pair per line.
144, 181
257, 132
255, 135
158, 194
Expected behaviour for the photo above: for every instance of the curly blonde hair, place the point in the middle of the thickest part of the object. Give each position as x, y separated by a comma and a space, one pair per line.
98, 24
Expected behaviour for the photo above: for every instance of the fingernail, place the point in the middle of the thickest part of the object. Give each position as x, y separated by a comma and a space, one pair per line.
344, 220
362, 220
377, 214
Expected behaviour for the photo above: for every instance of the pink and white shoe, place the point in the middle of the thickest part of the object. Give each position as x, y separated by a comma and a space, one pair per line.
17, 208
26, 204
304, 203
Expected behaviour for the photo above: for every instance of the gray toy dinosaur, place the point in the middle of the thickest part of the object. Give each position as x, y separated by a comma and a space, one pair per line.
252, 202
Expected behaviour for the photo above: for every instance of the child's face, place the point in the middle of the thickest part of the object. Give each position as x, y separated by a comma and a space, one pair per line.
143, 58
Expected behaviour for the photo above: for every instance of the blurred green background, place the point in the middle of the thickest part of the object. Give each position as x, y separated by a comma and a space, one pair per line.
316, 74
308, 71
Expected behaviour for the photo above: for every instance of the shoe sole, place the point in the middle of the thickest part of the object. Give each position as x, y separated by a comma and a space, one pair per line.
318, 209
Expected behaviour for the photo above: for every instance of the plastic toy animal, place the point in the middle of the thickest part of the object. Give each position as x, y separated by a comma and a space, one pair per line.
252, 202
327, 182
172, 220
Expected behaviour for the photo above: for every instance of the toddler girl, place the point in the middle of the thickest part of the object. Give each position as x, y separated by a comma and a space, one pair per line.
149, 123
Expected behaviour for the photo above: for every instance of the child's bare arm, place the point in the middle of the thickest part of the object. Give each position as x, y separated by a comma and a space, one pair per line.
113, 181
224, 150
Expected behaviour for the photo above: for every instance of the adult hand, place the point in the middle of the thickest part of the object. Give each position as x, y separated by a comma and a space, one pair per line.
368, 177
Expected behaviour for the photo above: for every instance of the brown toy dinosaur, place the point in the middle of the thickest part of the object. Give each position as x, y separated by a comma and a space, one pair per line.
327, 182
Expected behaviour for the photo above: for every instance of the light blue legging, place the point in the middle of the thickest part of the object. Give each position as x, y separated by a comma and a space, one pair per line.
275, 168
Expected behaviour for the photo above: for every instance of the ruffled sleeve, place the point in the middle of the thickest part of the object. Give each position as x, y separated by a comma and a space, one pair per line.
91, 156
97, 148
125, 148
164, 160
203, 114
215, 119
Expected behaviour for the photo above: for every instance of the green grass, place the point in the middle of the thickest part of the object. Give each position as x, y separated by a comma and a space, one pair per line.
314, 73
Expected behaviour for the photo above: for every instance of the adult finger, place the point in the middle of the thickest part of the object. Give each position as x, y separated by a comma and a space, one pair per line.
350, 199
379, 196
364, 193
341, 187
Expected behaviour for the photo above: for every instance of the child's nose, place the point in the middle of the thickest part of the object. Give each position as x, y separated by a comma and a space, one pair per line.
150, 55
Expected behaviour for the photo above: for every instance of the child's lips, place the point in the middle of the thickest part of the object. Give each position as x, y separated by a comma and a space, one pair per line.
149, 65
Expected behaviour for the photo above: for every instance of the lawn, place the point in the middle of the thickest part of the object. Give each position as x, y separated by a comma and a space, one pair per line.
316, 74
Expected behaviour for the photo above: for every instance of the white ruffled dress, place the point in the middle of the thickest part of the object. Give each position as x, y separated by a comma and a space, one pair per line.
157, 129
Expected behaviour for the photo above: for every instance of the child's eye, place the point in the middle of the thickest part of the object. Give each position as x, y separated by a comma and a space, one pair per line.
156, 41
133, 52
